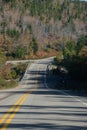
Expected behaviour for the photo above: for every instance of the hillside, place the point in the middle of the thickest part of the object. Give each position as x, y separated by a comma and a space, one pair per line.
29, 25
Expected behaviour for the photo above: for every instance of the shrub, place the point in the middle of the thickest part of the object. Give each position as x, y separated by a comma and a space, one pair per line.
70, 49
81, 43
83, 52
21, 68
13, 33
18, 71
2, 57
14, 74
20, 52
34, 46
7, 72
58, 59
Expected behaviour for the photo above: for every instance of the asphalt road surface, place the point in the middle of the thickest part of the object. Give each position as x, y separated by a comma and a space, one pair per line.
34, 106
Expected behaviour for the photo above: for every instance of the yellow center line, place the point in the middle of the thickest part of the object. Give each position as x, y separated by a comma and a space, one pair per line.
9, 111
14, 109
14, 112
7, 118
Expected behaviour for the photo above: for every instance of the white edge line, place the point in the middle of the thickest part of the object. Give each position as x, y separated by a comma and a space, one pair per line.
45, 82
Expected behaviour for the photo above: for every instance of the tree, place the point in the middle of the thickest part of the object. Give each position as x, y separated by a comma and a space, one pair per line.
81, 43
13, 33
70, 50
20, 52
34, 46
83, 52
2, 61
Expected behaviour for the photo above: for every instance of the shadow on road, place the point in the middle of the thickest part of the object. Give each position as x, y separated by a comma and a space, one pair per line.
44, 126
39, 115
45, 114
70, 115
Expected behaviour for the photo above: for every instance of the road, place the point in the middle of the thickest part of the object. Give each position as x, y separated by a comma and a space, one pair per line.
34, 106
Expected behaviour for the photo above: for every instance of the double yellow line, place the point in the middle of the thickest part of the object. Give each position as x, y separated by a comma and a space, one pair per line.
7, 118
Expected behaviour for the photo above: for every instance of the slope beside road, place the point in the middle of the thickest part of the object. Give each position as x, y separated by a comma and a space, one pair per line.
36, 107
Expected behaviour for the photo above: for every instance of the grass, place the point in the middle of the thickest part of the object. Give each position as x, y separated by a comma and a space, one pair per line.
16, 75
4, 84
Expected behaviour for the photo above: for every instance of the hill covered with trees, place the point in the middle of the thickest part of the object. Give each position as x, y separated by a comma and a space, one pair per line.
27, 26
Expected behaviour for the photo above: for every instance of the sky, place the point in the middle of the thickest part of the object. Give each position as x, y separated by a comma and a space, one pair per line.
83, 0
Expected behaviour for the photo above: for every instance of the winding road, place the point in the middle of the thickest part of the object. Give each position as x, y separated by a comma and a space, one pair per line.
34, 106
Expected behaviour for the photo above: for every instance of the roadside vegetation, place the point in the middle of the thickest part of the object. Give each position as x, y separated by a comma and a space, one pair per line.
71, 66
11, 75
